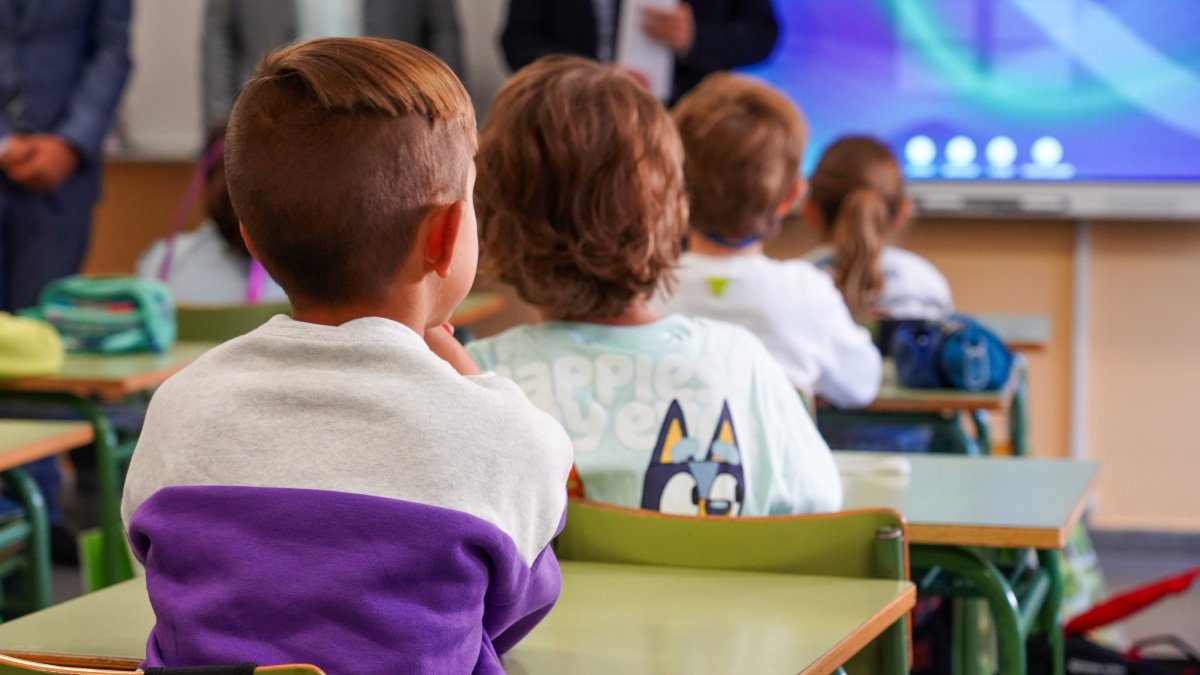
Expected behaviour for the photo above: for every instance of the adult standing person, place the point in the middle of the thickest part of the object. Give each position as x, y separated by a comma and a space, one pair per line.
63, 66
238, 33
705, 36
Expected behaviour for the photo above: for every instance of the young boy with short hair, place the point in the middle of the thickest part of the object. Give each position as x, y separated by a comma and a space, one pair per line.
582, 208
743, 143
326, 489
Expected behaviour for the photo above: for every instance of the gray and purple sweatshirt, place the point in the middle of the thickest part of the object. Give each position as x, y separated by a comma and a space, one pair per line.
341, 497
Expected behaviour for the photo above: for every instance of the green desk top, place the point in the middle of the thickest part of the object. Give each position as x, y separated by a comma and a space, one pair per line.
23, 441
610, 619
112, 378
1019, 331
994, 502
622, 619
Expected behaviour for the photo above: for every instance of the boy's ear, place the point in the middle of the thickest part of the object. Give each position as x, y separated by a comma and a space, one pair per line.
246, 239
794, 195
443, 223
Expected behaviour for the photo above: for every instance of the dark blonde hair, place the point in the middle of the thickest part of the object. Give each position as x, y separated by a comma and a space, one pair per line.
337, 149
580, 191
858, 188
743, 142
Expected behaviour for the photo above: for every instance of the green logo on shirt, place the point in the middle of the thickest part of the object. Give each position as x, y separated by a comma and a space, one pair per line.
718, 285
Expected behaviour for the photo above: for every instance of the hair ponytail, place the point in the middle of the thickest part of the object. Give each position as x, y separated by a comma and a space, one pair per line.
859, 233
857, 188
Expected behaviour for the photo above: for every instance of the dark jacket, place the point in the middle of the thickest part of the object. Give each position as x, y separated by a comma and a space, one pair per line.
729, 34
72, 60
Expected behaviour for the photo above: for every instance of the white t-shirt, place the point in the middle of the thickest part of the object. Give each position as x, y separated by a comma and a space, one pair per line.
795, 310
683, 416
912, 287
204, 270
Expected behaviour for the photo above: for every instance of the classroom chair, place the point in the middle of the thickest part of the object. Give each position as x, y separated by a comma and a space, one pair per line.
858, 544
25, 546
14, 666
218, 323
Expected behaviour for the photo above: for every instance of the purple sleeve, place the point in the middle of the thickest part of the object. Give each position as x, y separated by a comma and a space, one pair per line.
538, 588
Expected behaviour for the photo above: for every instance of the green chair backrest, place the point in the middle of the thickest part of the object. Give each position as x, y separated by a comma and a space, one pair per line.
13, 666
218, 323
860, 544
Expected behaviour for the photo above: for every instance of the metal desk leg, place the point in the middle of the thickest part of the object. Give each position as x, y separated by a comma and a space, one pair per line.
37, 582
1050, 617
983, 431
987, 581
1018, 421
117, 566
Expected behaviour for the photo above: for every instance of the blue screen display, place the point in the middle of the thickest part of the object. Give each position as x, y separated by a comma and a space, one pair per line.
1001, 90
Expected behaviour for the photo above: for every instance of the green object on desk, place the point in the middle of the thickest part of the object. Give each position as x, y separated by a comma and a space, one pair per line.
865, 544
85, 382
609, 619
218, 323
961, 511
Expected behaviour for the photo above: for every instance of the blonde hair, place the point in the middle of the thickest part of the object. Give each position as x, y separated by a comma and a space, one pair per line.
858, 188
580, 192
337, 148
743, 142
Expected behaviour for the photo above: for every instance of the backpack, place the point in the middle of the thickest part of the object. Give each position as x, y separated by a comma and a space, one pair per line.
109, 315
957, 353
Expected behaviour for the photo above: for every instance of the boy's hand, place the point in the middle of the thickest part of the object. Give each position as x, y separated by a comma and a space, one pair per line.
676, 28
442, 342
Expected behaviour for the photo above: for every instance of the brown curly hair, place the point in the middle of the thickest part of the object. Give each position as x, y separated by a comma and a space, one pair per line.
744, 141
580, 191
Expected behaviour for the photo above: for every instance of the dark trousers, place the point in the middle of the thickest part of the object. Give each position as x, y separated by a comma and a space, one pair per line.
43, 237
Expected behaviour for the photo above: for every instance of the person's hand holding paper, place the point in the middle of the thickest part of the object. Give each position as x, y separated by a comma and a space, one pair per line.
676, 28
651, 33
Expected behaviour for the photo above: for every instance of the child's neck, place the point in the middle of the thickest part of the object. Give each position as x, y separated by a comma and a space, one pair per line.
638, 313
698, 243
336, 315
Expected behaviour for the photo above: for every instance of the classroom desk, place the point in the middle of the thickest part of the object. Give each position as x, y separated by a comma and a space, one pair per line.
609, 619
954, 503
940, 408
21, 442
25, 441
85, 381
1021, 332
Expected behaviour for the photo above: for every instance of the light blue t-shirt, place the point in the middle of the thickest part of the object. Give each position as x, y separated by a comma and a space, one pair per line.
683, 416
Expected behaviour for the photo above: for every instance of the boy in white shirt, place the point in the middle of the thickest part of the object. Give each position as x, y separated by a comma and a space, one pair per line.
582, 208
743, 142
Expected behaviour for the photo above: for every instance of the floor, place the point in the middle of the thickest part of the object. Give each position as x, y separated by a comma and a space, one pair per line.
1177, 615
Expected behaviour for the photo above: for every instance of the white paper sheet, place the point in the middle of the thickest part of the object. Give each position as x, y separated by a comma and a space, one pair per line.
640, 53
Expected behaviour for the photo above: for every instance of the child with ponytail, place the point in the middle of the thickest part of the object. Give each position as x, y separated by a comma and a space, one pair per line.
856, 201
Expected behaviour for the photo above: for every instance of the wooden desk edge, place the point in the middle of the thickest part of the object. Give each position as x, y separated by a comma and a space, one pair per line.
873, 627
47, 447
78, 661
108, 391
